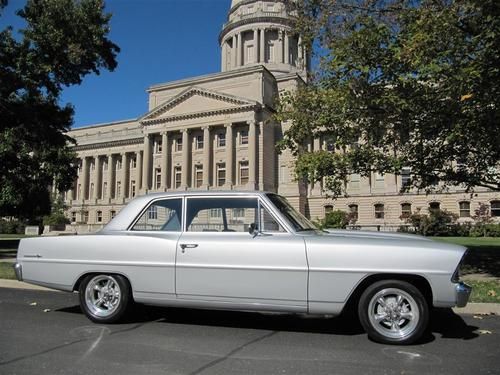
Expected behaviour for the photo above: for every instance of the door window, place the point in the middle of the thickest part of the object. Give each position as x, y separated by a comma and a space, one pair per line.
162, 215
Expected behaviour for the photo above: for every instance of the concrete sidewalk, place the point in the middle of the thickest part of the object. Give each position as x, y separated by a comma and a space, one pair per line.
471, 308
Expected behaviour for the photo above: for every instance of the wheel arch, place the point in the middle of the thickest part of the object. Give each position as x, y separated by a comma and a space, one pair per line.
78, 282
420, 282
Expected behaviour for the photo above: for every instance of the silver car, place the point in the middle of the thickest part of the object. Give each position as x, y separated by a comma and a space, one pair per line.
247, 251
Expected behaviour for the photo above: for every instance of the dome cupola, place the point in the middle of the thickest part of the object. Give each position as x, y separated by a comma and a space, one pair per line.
260, 32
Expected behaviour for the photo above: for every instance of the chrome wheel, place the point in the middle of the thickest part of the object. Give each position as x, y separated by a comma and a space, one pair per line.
103, 296
393, 313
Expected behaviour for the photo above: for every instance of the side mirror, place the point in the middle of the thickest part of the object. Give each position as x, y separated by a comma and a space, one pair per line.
252, 230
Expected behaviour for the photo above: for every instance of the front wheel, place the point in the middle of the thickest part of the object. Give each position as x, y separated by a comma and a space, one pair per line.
393, 312
104, 298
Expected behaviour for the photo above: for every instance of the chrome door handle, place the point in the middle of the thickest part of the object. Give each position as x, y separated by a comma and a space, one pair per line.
185, 246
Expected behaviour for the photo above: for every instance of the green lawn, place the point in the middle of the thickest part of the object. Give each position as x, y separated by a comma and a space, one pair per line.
6, 271
11, 236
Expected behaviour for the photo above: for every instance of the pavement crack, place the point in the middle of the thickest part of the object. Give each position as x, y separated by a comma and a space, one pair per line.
232, 352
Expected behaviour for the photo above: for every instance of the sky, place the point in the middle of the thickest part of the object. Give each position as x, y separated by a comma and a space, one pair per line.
160, 41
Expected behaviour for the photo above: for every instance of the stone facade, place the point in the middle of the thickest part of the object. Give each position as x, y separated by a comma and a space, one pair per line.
216, 132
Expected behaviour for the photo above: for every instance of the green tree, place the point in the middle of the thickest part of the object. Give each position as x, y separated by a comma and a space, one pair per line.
62, 41
400, 83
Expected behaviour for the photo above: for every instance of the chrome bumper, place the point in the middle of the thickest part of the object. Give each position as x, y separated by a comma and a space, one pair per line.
18, 269
462, 293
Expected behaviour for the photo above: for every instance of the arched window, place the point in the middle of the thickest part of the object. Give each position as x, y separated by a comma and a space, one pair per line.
353, 210
495, 208
405, 210
379, 211
464, 208
434, 206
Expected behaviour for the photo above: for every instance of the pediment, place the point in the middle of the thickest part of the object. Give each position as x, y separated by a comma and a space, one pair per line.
196, 101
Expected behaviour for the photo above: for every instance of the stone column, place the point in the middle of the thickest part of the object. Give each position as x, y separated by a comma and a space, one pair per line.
260, 158
300, 53
146, 164
262, 45
256, 45
287, 47
185, 159
207, 150
234, 52
239, 50
98, 182
229, 154
138, 172
252, 153
164, 161
223, 59
85, 178
124, 174
111, 183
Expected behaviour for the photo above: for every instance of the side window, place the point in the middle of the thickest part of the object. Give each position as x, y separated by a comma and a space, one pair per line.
268, 223
220, 214
163, 215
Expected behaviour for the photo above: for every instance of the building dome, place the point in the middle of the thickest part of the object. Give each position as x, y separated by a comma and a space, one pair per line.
260, 32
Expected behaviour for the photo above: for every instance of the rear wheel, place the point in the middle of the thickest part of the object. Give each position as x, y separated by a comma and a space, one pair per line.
393, 312
104, 298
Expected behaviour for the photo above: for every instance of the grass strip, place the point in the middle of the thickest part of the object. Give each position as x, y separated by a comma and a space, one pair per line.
485, 291
7, 271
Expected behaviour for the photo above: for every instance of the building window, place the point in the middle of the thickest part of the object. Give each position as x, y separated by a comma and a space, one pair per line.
133, 163
328, 209
158, 146
118, 188
244, 137
152, 212
221, 174
105, 166
379, 180
198, 175
215, 213
118, 164
99, 216
221, 140
132, 188
238, 213
244, 173
464, 208
495, 208
405, 210
353, 210
105, 190
249, 56
112, 214
434, 206
379, 211
354, 180
157, 178
85, 217
73, 216
330, 144
199, 142
177, 177
405, 176
270, 52
178, 144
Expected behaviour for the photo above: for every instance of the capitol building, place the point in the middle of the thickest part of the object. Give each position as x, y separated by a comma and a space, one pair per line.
217, 132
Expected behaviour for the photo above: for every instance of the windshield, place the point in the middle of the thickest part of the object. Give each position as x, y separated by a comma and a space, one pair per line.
296, 219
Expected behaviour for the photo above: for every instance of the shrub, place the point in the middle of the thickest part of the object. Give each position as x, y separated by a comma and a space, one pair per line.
11, 227
437, 223
337, 219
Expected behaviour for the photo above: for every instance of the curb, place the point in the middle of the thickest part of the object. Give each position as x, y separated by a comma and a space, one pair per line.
471, 308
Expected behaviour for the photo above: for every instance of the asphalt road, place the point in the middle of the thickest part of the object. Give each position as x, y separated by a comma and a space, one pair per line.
34, 340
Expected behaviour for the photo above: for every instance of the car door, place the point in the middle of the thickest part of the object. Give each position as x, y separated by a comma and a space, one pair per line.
219, 260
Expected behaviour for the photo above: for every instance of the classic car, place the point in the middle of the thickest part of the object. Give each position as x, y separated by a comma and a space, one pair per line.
247, 251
